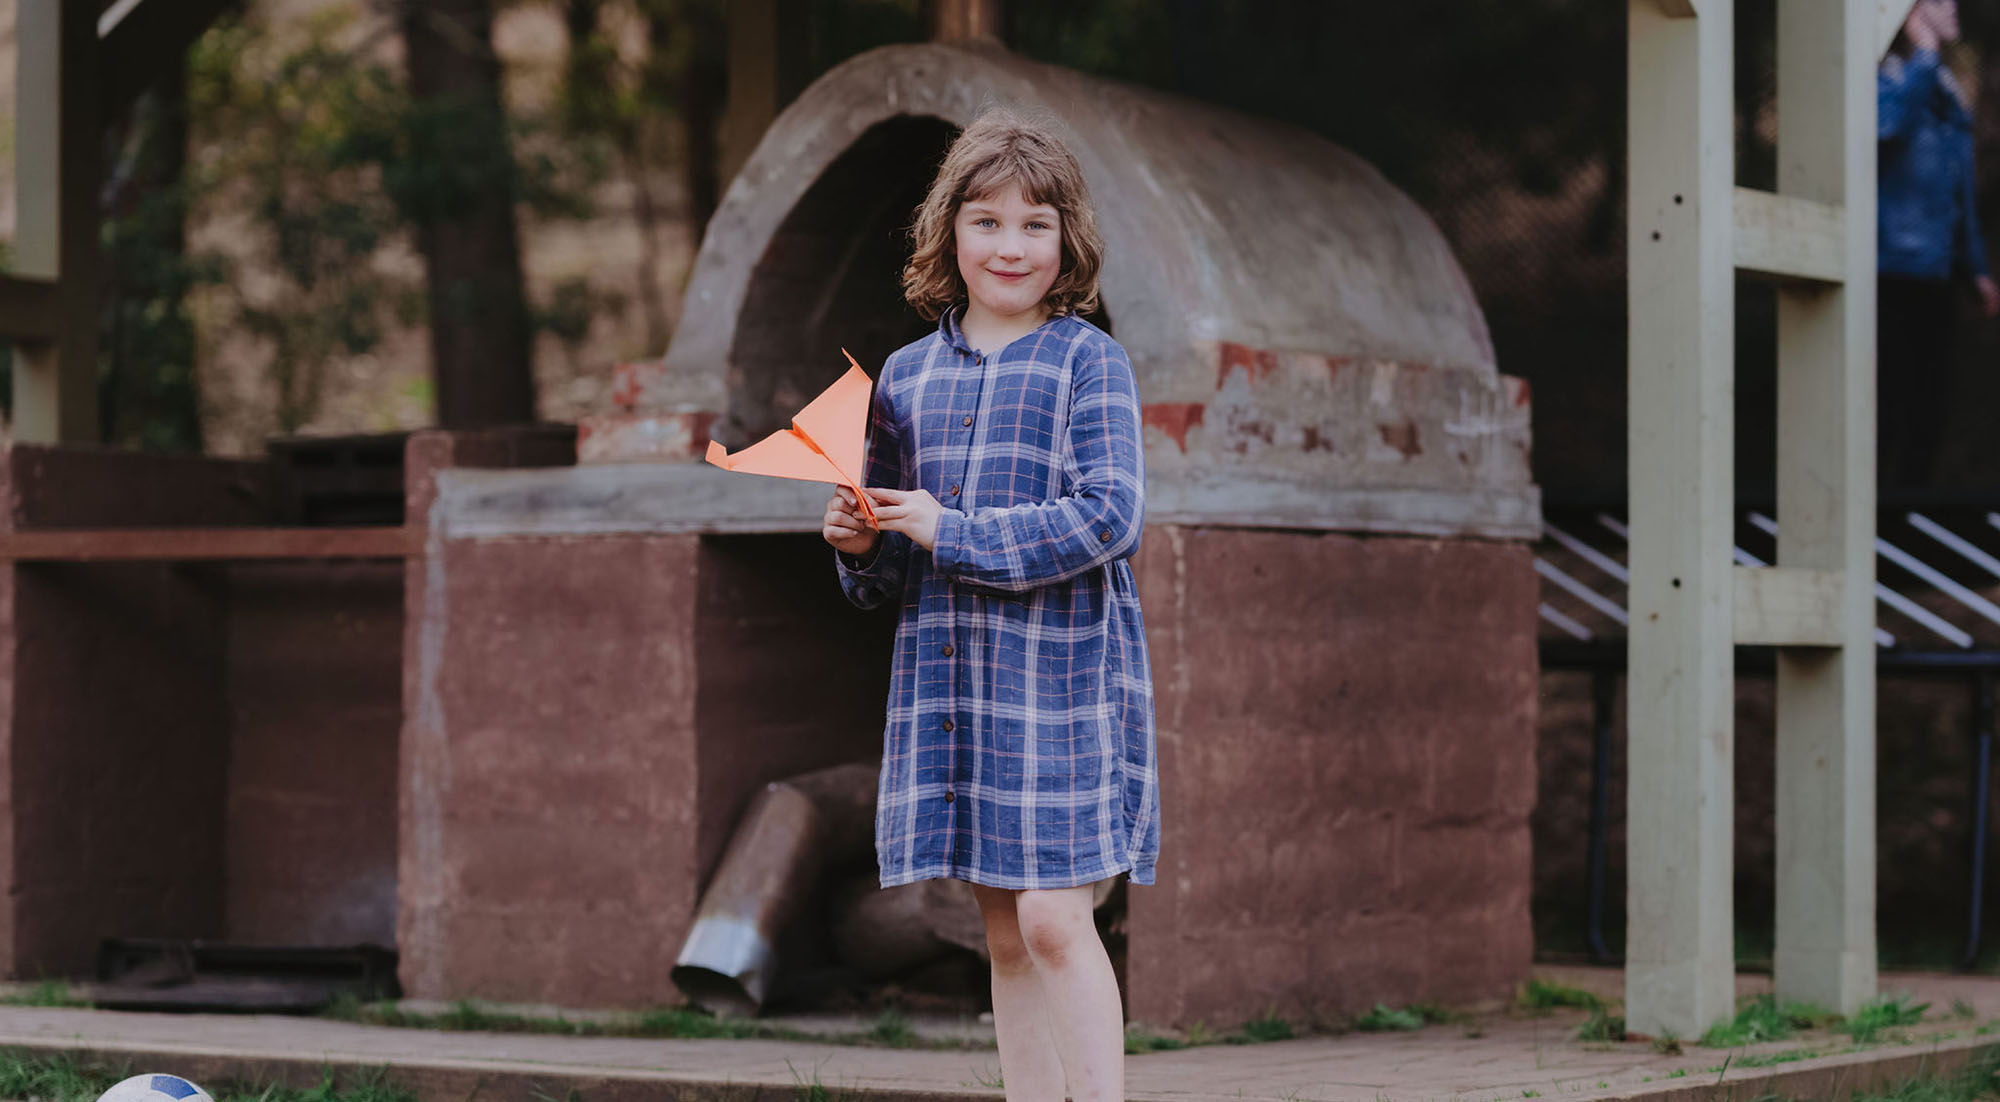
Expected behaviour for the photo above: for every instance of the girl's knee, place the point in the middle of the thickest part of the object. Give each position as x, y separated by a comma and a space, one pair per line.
1003, 931
1053, 925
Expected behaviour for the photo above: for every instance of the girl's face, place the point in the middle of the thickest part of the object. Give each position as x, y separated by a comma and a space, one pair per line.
1009, 252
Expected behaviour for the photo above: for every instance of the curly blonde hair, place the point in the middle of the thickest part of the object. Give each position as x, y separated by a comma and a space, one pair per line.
1001, 147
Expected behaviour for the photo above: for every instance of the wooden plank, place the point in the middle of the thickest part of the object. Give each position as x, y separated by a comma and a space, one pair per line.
27, 308
57, 175
1786, 237
1679, 949
206, 544
1824, 951
1788, 606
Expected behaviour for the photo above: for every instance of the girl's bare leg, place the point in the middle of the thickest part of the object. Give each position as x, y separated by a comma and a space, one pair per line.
1079, 988
1029, 1065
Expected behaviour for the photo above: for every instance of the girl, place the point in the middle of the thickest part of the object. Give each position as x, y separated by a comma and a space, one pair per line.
1007, 478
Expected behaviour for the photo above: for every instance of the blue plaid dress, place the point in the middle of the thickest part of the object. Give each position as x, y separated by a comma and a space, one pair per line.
1019, 746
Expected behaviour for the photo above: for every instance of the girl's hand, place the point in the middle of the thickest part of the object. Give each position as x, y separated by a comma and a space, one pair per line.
844, 526
914, 513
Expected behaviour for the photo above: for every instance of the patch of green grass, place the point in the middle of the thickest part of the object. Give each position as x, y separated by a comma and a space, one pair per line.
1601, 1026
1761, 1018
1265, 1027
1977, 1080
891, 1030
45, 993
1382, 1019
1667, 1043
1962, 1009
1138, 1043
1543, 995
1880, 1013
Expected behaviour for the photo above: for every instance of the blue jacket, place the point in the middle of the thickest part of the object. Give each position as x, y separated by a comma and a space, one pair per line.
1927, 218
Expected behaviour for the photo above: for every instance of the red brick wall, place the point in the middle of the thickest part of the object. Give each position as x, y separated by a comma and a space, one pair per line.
314, 671
1347, 742
792, 677
113, 729
548, 780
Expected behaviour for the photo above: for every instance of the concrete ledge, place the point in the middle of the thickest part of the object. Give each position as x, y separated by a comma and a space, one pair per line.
690, 497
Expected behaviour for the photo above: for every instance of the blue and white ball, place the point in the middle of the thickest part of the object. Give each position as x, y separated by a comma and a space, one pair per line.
155, 1088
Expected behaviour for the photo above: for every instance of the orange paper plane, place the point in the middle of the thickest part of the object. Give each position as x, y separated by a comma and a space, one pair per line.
824, 444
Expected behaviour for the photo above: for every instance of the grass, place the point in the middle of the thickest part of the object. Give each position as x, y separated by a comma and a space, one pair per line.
1543, 995
1382, 1019
891, 1030
1761, 1018
1976, 1081
53, 1077
1880, 1013
45, 993
1601, 1026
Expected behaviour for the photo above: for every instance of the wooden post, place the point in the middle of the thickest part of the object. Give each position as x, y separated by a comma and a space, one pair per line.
1679, 954
962, 20
56, 181
1825, 950
767, 63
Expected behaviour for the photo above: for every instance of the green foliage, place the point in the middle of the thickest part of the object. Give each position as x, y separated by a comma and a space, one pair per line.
1266, 1027
1138, 1042
1880, 1013
1542, 995
1977, 1080
1382, 1019
1760, 1018
290, 140
1601, 1026
52, 993
890, 1030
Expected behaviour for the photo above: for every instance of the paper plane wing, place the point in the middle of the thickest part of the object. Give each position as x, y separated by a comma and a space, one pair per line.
837, 420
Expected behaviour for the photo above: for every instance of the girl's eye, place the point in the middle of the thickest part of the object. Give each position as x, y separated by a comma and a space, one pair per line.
986, 223
1038, 225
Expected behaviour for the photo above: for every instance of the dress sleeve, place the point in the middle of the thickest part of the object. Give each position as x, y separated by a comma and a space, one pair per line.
1900, 92
871, 581
1024, 547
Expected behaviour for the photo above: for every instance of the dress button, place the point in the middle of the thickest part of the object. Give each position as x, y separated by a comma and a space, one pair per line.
949, 795
954, 491
1104, 537
968, 422
948, 725
946, 651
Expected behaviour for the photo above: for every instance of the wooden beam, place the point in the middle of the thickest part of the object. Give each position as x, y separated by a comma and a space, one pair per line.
139, 43
27, 308
1785, 237
1679, 948
206, 544
966, 20
1824, 950
1788, 606
57, 174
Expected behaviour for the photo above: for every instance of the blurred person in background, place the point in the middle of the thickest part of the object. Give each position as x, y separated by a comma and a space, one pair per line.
1928, 240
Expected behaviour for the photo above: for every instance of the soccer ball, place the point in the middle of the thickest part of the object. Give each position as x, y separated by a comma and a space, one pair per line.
155, 1088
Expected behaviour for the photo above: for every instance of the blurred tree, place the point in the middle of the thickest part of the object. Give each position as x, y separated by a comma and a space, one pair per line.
147, 394
286, 147
457, 183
